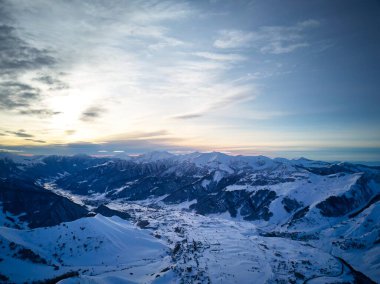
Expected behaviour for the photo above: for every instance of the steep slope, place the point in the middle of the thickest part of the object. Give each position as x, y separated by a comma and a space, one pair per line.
35, 205
23, 202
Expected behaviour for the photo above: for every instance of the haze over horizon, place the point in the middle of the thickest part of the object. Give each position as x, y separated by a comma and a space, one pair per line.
103, 77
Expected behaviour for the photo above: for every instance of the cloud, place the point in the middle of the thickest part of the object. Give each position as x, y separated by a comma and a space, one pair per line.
70, 132
144, 135
311, 23
39, 112
19, 58
53, 82
22, 97
165, 42
20, 133
157, 11
239, 95
188, 116
224, 57
92, 113
131, 146
268, 39
135, 135
233, 39
14, 94
279, 48
35, 140
236, 95
11, 150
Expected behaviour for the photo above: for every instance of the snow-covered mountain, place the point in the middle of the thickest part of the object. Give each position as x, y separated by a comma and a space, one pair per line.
207, 217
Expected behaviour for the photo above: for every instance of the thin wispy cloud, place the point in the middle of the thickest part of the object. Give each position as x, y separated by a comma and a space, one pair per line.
234, 39
92, 113
240, 94
128, 146
236, 95
268, 39
53, 82
20, 133
70, 131
229, 57
135, 135
39, 112
17, 95
190, 115
35, 140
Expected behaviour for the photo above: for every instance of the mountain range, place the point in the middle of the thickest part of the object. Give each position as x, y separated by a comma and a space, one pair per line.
192, 218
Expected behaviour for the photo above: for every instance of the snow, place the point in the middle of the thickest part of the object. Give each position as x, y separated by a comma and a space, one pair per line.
217, 160
181, 246
363, 230
108, 250
155, 156
205, 183
236, 187
218, 176
230, 251
226, 168
182, 205
309, 163
95, 245
9, 220
73, 197
21, 159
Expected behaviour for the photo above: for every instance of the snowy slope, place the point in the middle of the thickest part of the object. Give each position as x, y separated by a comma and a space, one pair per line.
91, 246
356, 239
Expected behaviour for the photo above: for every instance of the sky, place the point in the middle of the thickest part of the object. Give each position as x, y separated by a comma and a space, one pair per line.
277, 78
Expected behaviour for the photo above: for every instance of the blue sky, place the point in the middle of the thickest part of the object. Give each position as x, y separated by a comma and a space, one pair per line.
279, 78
